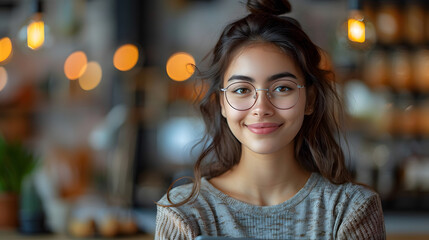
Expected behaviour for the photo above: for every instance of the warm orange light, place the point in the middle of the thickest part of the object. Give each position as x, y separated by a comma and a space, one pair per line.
356, 30
75, 65
126, 57
91, 77
3, 78
36, 33
180, 66
5, 48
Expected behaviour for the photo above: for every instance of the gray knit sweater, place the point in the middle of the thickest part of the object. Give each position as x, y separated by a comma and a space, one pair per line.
320, 210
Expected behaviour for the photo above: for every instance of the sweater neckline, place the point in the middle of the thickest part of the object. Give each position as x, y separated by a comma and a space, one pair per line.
251, 209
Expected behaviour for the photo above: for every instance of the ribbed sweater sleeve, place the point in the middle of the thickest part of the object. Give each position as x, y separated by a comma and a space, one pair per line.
365, 222
169, 225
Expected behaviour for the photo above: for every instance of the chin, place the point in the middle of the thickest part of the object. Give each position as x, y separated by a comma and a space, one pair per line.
264, 149
271, 146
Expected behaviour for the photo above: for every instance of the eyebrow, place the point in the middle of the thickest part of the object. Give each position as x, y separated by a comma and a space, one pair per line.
282, 75
272, 78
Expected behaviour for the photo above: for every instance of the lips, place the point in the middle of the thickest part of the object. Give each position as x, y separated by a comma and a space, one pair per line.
263, 128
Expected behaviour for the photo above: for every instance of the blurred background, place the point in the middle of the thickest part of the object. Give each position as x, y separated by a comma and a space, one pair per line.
98, 116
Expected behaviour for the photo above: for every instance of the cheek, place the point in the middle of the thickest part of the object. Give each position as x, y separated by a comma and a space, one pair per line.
234, 119
233, 116
301, 107
294, 116
294, 123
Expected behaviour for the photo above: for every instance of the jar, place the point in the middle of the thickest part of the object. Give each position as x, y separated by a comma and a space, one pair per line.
406, 115
421, 70
376, 69
369, 9
423, 118
426, 20
401, 70
409, 121
388, 22
414, 29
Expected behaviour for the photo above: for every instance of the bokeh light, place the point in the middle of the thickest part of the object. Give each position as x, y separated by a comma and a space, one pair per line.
180, 66
75, 65
178, 139
5, 49
126, 57
91, 77
3, 78
356, 31
36, 34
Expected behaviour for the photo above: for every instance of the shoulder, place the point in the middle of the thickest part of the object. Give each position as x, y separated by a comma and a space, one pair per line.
171, 223
176, 195
199, 205
357, 209
197, 214
181, 193
344, 199
361, 213
175, 221
346, 192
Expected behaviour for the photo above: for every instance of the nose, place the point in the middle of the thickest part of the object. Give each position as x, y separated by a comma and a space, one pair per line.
263, 106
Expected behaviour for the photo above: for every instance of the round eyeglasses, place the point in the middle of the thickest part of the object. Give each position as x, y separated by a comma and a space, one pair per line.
282, 94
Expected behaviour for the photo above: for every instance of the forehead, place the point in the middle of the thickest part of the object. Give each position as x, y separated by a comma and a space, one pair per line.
260, 61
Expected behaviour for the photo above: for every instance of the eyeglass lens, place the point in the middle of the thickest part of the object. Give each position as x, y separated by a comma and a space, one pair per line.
283, 94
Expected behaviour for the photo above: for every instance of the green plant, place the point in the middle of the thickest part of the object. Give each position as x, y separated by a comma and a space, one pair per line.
16, 162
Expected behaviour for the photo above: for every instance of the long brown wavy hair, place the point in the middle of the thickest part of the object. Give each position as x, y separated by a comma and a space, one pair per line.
316, 145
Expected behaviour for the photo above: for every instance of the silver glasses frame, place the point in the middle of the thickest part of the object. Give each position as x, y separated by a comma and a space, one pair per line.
224, 90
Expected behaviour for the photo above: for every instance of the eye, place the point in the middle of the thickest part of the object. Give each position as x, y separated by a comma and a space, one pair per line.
241, 91
282, 89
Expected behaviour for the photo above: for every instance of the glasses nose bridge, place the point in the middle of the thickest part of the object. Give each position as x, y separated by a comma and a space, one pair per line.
261, 89
256, 96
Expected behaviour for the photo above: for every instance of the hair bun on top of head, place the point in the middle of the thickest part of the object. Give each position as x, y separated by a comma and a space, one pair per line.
274, 7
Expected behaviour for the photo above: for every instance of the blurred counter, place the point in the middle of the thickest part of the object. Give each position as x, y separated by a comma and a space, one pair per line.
16, 236
12, 235
407, 225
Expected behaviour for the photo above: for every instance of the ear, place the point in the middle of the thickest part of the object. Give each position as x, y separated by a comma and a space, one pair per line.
222, 105
310, 101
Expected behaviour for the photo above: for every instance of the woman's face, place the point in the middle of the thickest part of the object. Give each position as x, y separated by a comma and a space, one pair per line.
263, 128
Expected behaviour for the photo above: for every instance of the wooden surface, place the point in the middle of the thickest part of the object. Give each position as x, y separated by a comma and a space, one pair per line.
407, 237
9, 235
12, 235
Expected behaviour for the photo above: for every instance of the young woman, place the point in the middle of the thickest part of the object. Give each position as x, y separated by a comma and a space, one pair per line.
273, 167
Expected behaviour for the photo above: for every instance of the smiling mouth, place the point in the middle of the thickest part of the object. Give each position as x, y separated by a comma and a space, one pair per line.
263, 128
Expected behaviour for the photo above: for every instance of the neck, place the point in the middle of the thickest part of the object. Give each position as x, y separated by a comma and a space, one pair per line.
268, 179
